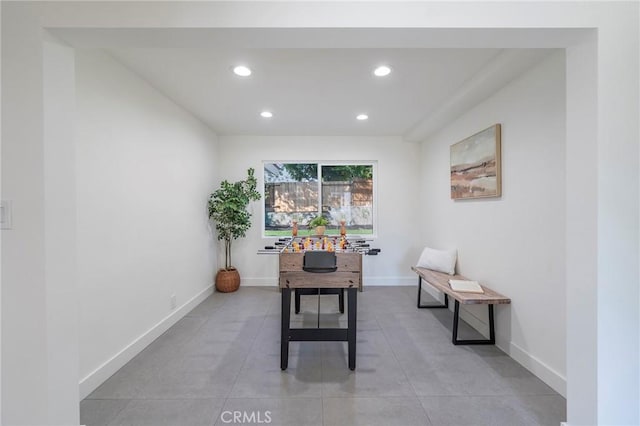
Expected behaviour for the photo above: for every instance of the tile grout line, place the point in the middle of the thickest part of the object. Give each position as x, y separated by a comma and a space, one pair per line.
255, 338
226, 397
379, 317
404, 371
183, 345
115, 416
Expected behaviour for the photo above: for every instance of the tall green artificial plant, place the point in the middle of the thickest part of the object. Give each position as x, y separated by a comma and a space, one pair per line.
228, 209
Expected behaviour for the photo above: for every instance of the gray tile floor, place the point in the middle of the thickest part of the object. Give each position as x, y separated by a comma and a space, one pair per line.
221, 365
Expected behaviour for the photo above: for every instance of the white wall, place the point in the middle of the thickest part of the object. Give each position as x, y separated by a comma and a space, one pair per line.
617, 237
581, 236
613, 50
516, 243
1, 231
25, 343
396, 186
60, 230
144, 170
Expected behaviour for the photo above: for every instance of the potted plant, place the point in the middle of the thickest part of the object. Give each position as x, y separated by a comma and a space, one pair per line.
319, 222
228, 209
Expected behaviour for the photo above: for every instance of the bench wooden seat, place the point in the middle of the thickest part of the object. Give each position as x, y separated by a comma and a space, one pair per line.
440, 281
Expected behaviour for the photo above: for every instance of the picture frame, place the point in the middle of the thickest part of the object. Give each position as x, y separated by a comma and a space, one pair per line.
475, 165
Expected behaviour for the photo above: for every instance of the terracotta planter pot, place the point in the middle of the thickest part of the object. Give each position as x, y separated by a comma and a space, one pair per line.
320, 230
227, 281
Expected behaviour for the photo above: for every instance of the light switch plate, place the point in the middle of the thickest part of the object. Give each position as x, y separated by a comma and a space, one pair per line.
5, 214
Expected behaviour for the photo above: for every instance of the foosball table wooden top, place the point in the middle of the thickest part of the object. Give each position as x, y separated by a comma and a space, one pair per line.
348, 274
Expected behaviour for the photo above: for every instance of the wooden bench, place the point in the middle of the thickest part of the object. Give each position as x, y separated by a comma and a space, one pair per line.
440, 281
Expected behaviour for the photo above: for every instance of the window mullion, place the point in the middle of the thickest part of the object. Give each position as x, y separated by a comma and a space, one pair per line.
319, 189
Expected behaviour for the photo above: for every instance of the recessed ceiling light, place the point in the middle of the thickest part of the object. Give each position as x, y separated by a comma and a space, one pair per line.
362, 117
242, 71
266, 114
382, 70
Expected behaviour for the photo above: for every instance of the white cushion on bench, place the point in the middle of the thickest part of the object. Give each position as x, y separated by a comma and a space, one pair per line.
438, 260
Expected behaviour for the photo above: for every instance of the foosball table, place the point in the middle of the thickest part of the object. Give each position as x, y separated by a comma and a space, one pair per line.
340, 245
319, 265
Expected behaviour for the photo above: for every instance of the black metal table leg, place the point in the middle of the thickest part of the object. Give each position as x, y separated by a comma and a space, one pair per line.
297, 301
433, 306
492, 336
352, 324
284, 334
289, 334
316, 291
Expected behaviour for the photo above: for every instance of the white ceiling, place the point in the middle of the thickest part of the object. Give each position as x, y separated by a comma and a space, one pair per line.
316, 80
319, 91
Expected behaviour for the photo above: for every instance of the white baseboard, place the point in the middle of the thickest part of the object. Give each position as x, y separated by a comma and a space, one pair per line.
368, 281
388, 281
94, 379
555, 380
259, 282
430, 290
478, 324
538, 368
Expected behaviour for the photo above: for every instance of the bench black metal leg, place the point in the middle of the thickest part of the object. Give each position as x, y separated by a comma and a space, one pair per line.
456, 316
352, 324
341, 300
432, 306
284, 334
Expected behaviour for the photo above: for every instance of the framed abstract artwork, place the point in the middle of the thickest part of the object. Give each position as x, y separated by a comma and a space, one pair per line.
475, 165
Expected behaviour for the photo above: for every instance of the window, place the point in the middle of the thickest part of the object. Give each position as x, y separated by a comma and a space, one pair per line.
299, 191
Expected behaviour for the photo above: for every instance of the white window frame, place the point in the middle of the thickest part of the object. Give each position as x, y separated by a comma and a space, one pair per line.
372, 163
